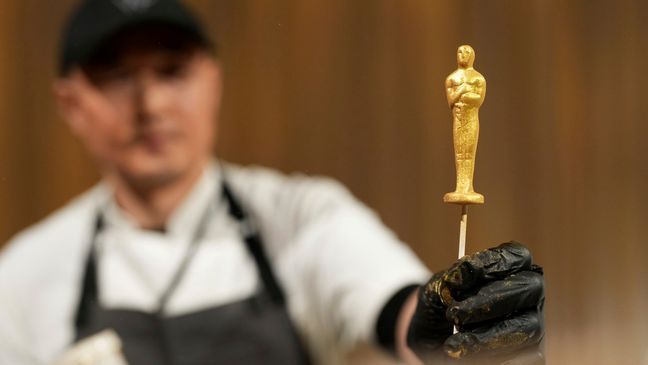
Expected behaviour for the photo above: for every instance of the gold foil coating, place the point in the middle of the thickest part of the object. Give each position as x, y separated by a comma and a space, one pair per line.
466, 90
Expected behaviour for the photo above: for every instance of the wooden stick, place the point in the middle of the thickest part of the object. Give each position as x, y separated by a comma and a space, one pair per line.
462, 231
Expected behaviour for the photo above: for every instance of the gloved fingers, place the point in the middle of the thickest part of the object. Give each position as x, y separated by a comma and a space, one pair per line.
497, 299
504, 337
487, 265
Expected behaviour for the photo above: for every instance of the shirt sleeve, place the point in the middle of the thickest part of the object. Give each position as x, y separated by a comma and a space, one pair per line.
335, 254
353, 266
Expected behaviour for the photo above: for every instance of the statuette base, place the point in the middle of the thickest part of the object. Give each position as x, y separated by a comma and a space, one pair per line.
463, 198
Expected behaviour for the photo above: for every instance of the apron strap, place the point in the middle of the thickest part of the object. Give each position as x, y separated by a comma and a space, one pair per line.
89, 285
254, 244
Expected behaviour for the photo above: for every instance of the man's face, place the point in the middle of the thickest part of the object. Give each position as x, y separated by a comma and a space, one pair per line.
146, 113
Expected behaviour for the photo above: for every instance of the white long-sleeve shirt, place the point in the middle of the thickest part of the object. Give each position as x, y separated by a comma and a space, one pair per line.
335, 260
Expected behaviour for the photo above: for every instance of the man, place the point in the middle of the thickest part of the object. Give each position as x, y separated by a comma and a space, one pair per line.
192, 261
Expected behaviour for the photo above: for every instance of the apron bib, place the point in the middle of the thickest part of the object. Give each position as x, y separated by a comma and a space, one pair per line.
257, 330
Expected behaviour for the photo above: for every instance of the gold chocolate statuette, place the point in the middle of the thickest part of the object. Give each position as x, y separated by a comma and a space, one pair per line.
466, 89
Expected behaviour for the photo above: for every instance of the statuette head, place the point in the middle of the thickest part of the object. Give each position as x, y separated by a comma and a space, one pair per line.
465, 56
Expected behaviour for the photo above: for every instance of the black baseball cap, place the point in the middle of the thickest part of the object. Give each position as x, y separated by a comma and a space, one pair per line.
94, 22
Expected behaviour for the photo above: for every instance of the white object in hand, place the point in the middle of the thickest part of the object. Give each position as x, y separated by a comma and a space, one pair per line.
103, 348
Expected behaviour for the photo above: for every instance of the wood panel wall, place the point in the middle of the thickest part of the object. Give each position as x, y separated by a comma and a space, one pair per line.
354, 90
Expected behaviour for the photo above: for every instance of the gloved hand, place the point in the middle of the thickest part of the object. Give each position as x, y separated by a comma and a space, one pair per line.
495, 298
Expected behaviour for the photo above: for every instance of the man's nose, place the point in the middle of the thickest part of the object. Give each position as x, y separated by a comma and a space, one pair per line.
150, 95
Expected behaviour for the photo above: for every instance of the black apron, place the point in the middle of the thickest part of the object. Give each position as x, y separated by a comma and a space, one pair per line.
257, 330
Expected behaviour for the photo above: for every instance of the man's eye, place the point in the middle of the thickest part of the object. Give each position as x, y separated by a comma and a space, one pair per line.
110, 77
172, 71
113, 75
120, 74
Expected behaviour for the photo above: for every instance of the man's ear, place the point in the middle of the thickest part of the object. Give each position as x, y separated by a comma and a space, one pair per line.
68, 103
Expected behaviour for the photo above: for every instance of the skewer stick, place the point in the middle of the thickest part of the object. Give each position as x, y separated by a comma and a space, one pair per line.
462, 231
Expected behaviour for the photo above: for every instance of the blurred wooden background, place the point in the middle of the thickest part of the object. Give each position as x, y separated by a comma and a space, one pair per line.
354, 90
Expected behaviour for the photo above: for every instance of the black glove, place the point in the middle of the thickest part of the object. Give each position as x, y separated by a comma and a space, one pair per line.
495, 298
